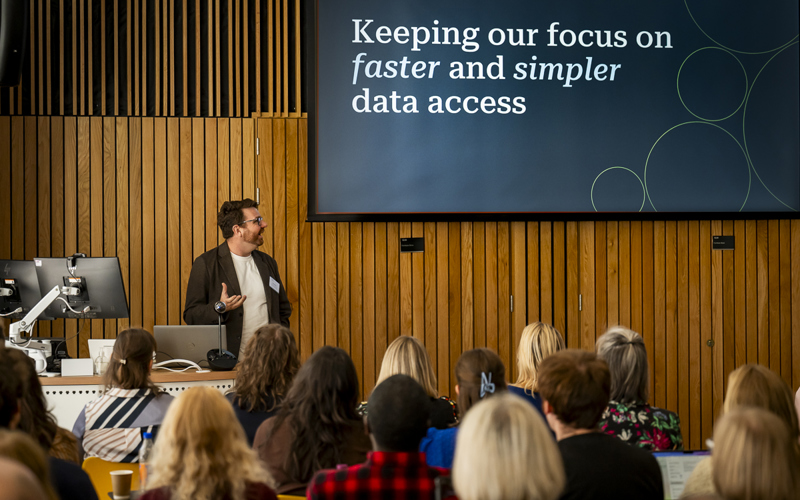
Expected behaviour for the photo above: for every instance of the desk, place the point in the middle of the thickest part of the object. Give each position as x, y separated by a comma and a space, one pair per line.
67, 396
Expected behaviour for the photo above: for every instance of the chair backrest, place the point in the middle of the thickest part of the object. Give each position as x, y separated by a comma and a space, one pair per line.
99, 472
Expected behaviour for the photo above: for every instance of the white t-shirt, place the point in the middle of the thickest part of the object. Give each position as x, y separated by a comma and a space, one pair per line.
255, 308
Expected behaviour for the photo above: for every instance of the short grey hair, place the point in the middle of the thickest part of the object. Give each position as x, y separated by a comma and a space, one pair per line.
624, 351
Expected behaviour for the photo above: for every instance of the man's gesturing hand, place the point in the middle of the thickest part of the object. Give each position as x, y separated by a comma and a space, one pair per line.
231, 302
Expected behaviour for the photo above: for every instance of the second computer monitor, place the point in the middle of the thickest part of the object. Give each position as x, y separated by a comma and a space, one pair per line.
96, 280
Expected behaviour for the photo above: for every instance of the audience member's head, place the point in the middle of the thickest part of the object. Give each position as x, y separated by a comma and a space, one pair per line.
758, 386
131, 360
320, 406
480, 373
265, 373
231, 214
18, 482
20, 447
538, 341
397, 419
624, 351
755, 457
407, 356
575, 386
202, 452
35, 419
504, 451
10, 391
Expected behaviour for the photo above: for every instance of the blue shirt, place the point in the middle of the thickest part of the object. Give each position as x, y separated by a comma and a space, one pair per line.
439, 446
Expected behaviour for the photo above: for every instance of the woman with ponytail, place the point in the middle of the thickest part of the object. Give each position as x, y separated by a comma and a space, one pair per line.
111, 426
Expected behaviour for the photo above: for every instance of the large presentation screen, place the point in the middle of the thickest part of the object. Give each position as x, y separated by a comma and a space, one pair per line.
516, 108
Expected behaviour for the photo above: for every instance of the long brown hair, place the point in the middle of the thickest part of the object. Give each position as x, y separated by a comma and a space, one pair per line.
477, 369
320, 408
267, 369
129, 367
35, 420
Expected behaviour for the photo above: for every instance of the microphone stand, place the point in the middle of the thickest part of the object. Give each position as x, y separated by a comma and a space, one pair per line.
220, 359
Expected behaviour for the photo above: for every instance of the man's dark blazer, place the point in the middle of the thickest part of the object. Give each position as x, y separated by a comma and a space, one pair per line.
215, 267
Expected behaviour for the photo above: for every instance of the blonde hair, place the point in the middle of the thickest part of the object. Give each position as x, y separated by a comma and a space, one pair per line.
407, 356
22, 448
201, 452
504, 451
538, 340
758, 386
754, 457
624, 351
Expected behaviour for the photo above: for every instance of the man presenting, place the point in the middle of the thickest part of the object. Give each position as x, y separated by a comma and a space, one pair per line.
235, 273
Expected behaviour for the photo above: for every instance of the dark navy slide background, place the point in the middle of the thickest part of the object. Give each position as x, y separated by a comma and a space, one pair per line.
708, 125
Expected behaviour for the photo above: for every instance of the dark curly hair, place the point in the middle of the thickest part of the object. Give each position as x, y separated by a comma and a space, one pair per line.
265, 373
230, 214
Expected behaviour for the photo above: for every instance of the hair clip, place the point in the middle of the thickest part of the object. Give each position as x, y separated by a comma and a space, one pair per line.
486, 384
123, 361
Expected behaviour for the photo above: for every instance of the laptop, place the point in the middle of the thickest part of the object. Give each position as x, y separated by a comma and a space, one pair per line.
191, 342
676, 467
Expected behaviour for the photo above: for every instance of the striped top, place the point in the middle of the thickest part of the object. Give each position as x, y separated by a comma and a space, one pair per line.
111, 426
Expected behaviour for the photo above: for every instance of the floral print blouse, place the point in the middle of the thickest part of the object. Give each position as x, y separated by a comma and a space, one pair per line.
642, 425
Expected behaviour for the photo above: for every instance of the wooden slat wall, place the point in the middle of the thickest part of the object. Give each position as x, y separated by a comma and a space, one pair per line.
129, 64
147, 190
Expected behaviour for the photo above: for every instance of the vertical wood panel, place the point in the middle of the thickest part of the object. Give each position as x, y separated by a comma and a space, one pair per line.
174, 220
612, 272
149, 227
123, 215
71, 214
587, 238
467, 288
210, 188
518, 289
648, 293
658, 346
740, 294
479, 280
671, 317
343, 288
785, 274
625, 273
454, 297
533, 272
392, 282
546, 272
442, 298
706, 333
573, 328
695, 342
135, 213
56, 215
728, 312
559, 274
717, 322
683, 388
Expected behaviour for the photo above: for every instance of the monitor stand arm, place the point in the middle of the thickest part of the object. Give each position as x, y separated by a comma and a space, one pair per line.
25, 325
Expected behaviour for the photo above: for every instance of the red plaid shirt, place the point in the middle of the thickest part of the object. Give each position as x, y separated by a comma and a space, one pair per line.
395, 475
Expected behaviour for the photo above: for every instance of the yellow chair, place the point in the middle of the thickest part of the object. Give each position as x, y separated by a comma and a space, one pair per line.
99, 472
290, 497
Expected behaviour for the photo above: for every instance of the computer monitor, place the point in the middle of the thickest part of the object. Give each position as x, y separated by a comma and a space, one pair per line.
19, 288
95, 281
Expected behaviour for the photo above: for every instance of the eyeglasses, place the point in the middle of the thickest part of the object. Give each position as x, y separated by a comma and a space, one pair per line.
258, 220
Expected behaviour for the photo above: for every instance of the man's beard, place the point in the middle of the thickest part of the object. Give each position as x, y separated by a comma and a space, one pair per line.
255, 238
